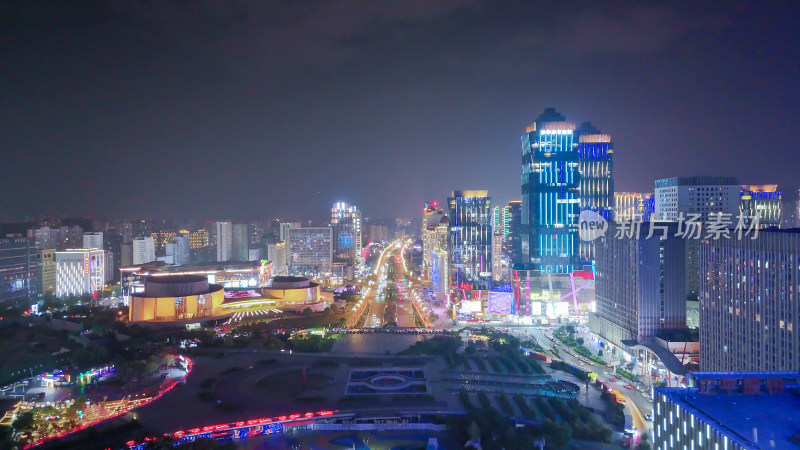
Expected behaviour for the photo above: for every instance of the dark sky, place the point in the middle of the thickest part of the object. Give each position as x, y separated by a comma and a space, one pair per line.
277, 109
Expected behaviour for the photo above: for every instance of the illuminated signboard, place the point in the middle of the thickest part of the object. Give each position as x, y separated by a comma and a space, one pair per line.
471, 306
501, 302
557, 309
86, 264
536, 308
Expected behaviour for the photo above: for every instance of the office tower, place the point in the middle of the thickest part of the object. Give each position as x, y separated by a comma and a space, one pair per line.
512, 230
17, 269
178, 251
763, 200
80, 271
550, 194
703, 196
276, 253
144, 250
797, 212
45, 269
596, 185
283, 235
223, 240
470, 239
310, 250
44, 237
93, 240
696, 195
69, 237
240, 242
728, 410
749, 301
113, 243
640, 284
108, 271
431, 218
628, 206
346, 221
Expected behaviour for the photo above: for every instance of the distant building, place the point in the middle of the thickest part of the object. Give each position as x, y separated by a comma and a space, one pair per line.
178, 251
223, 240
346, 222
728, 410
93, 240
144, 250
198, 239
310, 250
761, 200
240, 242
45, 237
17, 269
511, 231
470, 241
69, 237
440, 273
749, 302
46, 271
628, 207
80, 271
431, 217
276, 253
283, 234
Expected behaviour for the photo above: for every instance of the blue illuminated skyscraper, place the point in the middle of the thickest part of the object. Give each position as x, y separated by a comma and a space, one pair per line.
550, 194
595, 164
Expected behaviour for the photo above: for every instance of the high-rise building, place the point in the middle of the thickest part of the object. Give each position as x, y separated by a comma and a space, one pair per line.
69, 237
126, 231
93, 240
257, 231
113, 243
223, 240
696, 195
144, 250
749, 301
240, 242
80, 271
431, 218
640, 284
283, 235
346, 222
44, 237
550, 194
728, 410
628, 206
161, 238
46, 271
706, 197
276, 253
596, 186
178, 251
310, 250
512, 230
497, 256
440, 273
761, 200
17, 269
197, 239
470, 241
108, 271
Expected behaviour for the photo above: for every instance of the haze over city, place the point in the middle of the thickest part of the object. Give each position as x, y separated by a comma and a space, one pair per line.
279, 108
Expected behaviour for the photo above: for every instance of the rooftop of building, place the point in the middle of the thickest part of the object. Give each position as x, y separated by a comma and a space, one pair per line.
162, 268
703, 180
775, 415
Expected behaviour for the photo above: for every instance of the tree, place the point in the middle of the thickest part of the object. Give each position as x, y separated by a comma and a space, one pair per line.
600, 353
307, 312
580, 341
23, 422
343, 321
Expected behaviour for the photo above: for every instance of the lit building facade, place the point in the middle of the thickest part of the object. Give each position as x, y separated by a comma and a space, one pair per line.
550, 194
144, 250
628, 207
310, 250
431, 217
46, 271
198, 239
596, 185
440, 273
728, 410
80, 271
93, 240
276, 252
762, 200
512, 230
346, 222
178, 251
470, 240
17, 269
749, 305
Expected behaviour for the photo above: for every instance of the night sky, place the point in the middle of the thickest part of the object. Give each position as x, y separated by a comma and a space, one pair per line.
252, 110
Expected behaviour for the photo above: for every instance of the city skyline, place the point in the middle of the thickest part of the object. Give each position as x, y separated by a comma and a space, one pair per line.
394, 105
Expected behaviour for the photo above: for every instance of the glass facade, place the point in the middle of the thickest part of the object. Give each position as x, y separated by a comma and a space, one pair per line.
550, 195
595, 164
470, 239
17, 267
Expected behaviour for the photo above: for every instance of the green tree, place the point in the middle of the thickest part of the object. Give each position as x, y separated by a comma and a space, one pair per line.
307, 312
23, 422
